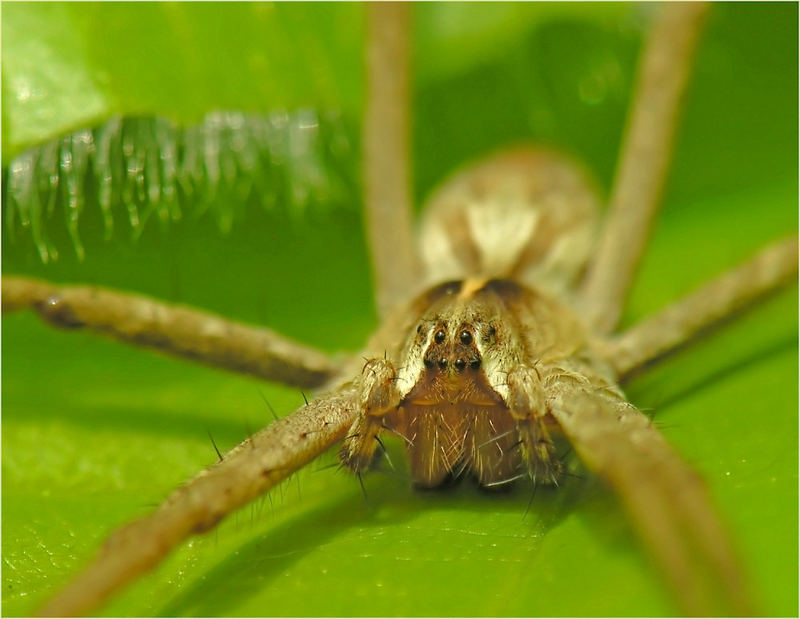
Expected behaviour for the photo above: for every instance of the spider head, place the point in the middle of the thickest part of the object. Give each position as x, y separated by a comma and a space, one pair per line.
452, 351
453, 343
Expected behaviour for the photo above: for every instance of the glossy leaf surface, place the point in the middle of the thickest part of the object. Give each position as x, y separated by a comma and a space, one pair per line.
95, 433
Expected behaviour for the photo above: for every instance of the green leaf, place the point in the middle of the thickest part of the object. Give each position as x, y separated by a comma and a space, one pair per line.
68, 66
96, 433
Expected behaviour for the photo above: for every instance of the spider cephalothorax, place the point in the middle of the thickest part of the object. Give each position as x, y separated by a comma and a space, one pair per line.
467, 387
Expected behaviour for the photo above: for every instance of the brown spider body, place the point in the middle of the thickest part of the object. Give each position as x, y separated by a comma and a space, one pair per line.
459, 392
453, 418
466, 386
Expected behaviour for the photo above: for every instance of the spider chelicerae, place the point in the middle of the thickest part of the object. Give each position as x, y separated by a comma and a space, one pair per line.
539, 501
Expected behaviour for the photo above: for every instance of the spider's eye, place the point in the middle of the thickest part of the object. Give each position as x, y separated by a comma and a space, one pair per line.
465, 337
439, 336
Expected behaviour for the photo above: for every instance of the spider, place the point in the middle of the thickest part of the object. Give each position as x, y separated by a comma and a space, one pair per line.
540, 501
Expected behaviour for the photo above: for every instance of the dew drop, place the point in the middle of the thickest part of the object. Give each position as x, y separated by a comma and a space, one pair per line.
152, 168
27, 202
149, 165
73, 163
211, 149
19, 190
189, 167
168, 159
106, 142
130, 171
47, 176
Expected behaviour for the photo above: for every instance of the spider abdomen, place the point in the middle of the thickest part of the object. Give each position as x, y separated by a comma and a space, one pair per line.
525, 213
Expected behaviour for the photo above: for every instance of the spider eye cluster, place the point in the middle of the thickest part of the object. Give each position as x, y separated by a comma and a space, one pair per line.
453, 352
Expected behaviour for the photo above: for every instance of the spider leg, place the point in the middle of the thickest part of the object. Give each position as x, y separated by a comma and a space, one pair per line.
177, 330
245, 473
387, 182
666, 501
377, 396
691, 316
528, 406
662, 76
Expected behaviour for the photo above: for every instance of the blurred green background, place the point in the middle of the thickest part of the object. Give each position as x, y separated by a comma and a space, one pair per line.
95, 433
